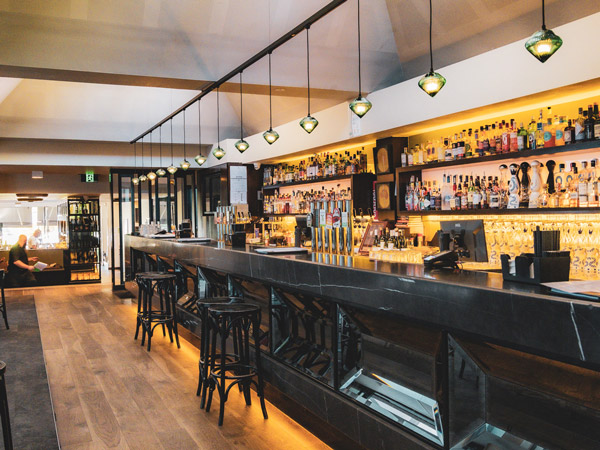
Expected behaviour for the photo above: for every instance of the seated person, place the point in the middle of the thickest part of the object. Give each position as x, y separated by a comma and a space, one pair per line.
19, 270
34, 240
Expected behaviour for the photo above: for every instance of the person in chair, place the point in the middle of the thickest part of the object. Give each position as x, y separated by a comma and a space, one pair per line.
19, 270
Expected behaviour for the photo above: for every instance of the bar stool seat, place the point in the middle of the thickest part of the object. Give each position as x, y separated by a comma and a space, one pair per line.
4, 416
148, 318
237, 320
204, 362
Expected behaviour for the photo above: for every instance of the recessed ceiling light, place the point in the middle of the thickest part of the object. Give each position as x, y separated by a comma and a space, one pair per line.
37, 174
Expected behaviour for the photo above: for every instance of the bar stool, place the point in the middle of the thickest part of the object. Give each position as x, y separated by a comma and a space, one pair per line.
6, 433
3, 304
235, 319
205, 360
162, 284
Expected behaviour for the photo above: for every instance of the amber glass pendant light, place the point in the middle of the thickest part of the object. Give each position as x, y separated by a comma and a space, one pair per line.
544, 43
143, 176
432, 82
160, 171
241, 145
270, 135
360, 105
309, 123
135, 180
218, 152
185, 164
172, 169
200, 158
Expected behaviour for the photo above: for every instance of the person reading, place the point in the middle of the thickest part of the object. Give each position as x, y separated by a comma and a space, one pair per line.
19, 270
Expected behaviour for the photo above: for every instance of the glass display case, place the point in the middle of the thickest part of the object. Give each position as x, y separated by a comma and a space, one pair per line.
84, 239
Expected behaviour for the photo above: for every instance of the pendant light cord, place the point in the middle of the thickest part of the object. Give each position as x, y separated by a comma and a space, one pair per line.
184, 154
142, 153
241, 110
135, 155
543, 15
308, 67
270, 103
150, 151
430, 34
199, 130
218, 122
160, 146
171, 142
359, 71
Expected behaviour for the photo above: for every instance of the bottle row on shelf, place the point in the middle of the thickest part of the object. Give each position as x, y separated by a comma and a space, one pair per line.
83, 223
506, 136
84, 243
89, 207
318, 166
298, 201
84, 256
514, 188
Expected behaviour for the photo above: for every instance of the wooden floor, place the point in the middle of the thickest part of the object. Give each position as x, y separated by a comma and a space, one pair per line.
108, 392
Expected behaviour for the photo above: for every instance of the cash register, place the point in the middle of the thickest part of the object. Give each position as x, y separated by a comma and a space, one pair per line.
462, 240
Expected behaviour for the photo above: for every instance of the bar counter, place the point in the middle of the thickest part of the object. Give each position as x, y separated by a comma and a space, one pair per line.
537, 354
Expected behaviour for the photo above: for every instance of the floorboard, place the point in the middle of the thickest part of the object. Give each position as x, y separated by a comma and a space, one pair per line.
109, 392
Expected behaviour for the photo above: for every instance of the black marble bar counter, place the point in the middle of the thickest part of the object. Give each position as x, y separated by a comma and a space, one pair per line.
521, 316
389, 355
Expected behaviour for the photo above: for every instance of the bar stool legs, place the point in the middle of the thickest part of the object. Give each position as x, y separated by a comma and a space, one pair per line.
235, 320
4, 416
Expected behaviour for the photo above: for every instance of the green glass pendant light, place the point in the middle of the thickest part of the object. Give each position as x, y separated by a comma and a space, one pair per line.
218, 152
241, 145
143, 176
185, 164
200, 158
544, 43
360, 105
135, 180
172, 169
432, 82
160, 172
309, 123
270, 135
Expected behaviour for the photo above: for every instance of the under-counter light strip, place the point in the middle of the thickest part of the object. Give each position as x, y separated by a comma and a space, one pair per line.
267, 50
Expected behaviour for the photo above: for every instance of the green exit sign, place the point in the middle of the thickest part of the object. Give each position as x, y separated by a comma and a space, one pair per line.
89, 177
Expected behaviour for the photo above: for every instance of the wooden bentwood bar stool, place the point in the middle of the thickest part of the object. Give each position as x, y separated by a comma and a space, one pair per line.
164, 285
205, 360
235, 320
8, 445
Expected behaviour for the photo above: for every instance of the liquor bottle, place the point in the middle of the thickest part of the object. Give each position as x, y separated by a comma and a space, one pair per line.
484, 135
573, 185
470, 194
592, 189
596, 122
549, 133
494, 136
522, 138
582, 185
539, 135
404, 157
464, 196
531, 134
499, 133
514, 136
580, 127
589, 124
560, 178
411, 157
447, 150
569, 133
460, 147
469, 144
560, 132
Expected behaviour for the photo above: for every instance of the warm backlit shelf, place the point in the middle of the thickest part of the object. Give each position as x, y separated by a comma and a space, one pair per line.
314, 181
501, 212
503, 156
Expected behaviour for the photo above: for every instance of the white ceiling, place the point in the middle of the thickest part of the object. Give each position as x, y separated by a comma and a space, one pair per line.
169, 43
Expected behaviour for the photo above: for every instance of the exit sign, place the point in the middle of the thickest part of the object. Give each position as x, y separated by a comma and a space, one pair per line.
89, 177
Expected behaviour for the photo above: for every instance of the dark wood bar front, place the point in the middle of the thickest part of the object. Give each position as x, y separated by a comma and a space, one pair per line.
391, 354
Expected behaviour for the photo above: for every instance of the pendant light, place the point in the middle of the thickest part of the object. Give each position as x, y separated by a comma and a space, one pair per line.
185, 164
309, 123
151, 175
270, 135
544, 43
143, 176
200, 158
218, 152
160, 172
241, 145
135, 180
172, 169
432, 82
360, 105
